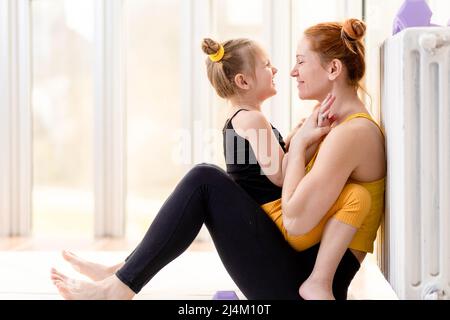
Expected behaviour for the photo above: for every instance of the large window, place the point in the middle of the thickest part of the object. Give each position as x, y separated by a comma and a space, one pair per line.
163, 96
153, 107
62, 105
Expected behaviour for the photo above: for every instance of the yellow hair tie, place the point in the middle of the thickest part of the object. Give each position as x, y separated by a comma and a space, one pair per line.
218, 55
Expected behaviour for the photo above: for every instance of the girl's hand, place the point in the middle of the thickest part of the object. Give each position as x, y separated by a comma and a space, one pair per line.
315, 127
321, 107
292, 133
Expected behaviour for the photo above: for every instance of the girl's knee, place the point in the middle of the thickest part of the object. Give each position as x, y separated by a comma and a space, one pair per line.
355, 195
353, 205
205, 172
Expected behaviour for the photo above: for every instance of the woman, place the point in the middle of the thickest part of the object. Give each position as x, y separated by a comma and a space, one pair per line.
349, 164
247, 241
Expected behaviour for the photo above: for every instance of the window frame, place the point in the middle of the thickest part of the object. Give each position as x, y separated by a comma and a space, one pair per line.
15, 118
110, 119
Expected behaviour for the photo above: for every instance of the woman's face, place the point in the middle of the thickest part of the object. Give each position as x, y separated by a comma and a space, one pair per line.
312, 78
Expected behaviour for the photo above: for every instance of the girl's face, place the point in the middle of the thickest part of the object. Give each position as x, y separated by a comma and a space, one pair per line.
312, 78
264, 87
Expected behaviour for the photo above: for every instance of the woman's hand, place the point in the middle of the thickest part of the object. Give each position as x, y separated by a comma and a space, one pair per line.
315, 127
325, 118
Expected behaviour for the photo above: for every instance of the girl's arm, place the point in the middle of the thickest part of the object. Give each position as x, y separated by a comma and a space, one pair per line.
323, 108
254, 127
310, 150
284, 165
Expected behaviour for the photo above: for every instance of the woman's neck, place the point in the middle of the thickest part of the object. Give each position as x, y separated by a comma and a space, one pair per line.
347, 102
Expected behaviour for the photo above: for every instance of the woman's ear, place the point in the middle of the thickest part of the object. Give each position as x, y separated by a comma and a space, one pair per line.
241, 81
334, 69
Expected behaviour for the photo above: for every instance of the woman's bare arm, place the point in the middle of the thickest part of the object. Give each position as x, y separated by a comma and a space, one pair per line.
306, 199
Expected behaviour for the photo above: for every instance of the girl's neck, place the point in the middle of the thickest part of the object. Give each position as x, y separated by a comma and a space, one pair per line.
245, 104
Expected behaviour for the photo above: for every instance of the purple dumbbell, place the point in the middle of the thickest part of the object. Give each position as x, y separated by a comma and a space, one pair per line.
225, 295
412, 13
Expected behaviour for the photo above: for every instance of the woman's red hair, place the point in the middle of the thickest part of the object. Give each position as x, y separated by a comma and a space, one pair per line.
343, 41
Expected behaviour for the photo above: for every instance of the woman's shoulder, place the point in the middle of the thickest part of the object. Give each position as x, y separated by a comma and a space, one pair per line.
355, 136
361, 140
359, 129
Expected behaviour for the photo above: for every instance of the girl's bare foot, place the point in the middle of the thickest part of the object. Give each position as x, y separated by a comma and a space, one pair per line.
94, 271
110, 288
316, 289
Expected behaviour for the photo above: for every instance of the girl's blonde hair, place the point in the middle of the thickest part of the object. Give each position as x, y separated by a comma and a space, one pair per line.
239, 57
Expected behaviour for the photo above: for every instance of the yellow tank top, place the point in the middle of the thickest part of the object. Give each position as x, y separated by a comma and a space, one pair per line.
366, 234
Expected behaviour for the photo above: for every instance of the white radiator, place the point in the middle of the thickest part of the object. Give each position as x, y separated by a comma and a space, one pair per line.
415, 112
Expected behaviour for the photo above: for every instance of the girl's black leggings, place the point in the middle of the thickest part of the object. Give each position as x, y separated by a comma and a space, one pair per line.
252, 249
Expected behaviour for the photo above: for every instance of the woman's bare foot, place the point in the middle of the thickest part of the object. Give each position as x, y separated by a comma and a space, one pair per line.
316, 289
94, 271
110, 288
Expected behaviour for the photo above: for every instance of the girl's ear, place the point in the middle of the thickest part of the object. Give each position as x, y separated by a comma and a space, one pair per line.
334, 69
241, 81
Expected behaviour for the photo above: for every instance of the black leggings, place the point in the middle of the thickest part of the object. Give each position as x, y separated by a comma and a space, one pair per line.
252, 249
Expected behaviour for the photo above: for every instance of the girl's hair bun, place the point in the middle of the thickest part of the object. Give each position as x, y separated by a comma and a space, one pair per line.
209, 46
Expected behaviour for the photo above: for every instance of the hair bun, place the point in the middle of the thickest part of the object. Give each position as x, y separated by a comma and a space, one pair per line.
210, 46
354, 29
